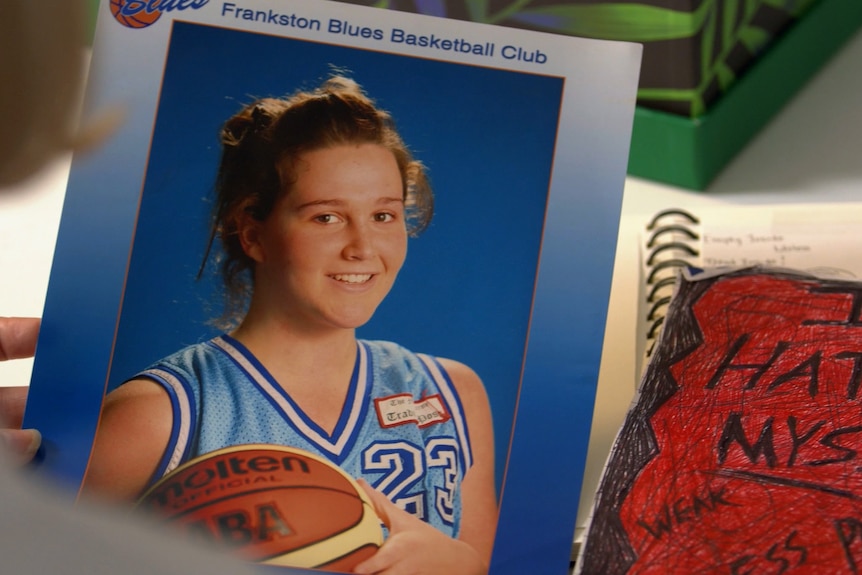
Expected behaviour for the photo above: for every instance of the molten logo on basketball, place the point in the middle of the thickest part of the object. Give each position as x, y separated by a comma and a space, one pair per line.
221, 475
143, 13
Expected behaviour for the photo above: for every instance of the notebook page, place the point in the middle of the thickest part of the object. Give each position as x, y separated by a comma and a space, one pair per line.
824, 239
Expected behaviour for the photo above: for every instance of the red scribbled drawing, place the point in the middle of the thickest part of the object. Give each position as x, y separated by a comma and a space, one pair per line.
743, 453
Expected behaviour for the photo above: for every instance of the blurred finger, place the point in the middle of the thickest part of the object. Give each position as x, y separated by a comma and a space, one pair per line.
18, 337
20, 444
12, 403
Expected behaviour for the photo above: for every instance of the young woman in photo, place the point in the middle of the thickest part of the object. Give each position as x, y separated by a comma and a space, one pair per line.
316, 197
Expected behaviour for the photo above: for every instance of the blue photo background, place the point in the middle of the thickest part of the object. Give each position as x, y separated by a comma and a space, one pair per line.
487, 136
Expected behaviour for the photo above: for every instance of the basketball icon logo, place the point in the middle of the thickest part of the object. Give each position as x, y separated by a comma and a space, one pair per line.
143, 13
272, 504
134, 13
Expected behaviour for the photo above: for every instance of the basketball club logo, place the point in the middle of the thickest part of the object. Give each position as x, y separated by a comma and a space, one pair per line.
143, 13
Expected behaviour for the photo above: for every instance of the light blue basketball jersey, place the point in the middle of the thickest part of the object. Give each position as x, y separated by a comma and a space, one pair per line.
402, 428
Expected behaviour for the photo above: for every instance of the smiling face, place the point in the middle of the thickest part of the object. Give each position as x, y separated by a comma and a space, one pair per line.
332, 247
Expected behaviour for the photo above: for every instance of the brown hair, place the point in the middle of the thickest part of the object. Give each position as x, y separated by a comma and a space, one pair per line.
261, 145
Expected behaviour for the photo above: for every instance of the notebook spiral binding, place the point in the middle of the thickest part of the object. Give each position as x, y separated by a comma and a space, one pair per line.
671, 243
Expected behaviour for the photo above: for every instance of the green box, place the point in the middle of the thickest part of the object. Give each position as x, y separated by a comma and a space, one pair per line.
691, 152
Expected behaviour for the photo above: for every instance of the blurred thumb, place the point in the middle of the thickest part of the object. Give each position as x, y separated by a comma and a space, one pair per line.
20, 444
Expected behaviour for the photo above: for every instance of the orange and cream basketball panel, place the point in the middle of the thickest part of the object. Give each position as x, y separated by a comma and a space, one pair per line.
271, 504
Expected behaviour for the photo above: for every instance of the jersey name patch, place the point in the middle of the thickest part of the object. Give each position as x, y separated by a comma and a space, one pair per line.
403, 409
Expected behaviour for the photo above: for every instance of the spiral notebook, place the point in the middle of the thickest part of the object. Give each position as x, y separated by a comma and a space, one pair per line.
823, 239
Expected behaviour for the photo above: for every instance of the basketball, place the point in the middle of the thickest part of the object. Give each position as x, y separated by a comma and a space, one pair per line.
141, 19
272, 504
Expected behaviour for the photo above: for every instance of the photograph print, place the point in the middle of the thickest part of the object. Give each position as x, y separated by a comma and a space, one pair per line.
323, 291
335, 250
